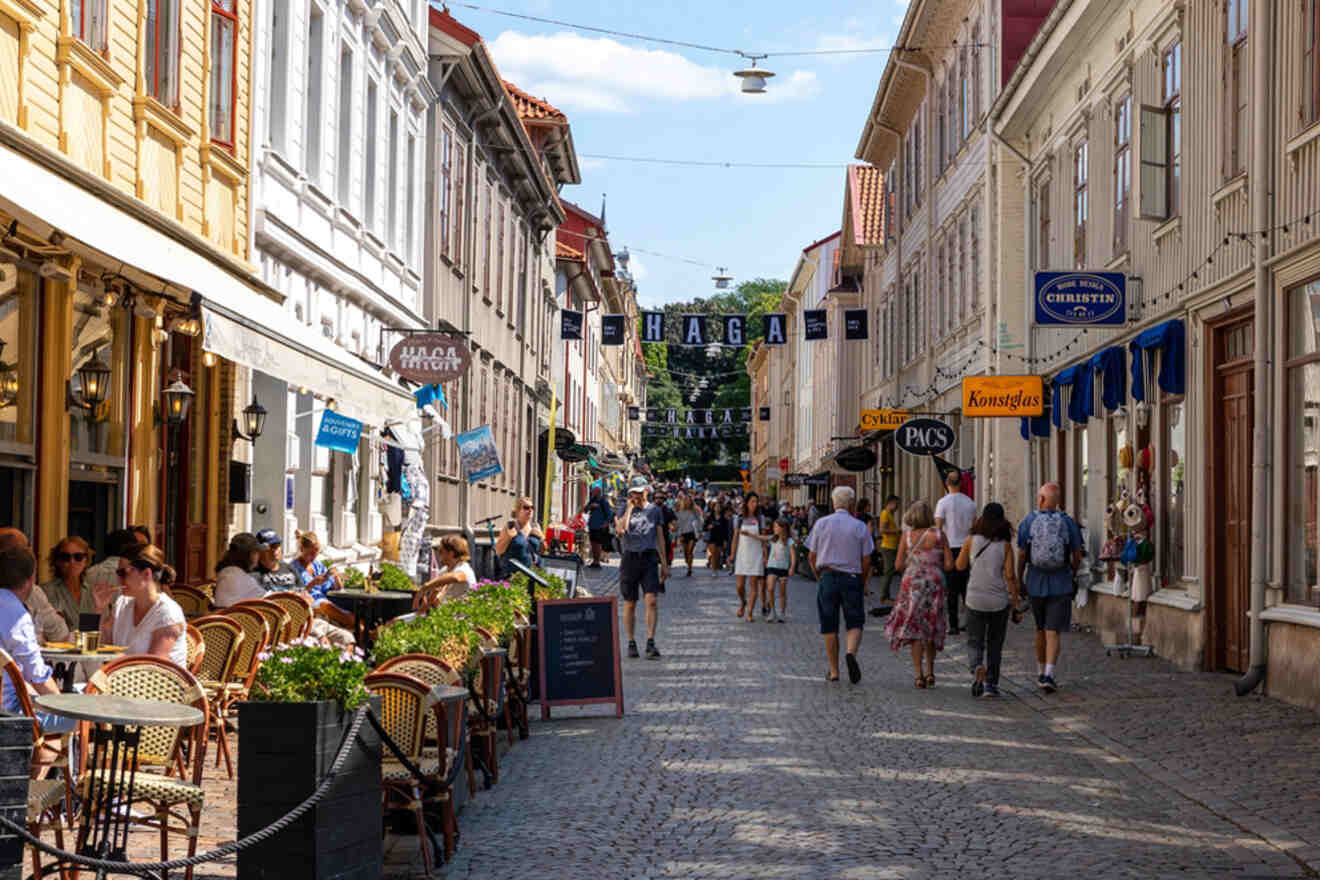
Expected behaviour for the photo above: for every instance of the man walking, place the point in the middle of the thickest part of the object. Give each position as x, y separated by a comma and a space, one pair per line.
1052, 545
599, 514
887, 528
954, 515
643, 569
840, 548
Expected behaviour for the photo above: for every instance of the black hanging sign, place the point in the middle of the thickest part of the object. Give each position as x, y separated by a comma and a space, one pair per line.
653, 326
564, 438
856, 458
611, 329
814, 324
579, 652
694, 329
747, 414
820, 479
735, 329
924, 436
795, 479
634, 413
773, 327
854, 324
570, 324
765, 413
653, 414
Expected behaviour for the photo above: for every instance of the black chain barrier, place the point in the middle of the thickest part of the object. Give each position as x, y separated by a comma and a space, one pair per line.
103, 866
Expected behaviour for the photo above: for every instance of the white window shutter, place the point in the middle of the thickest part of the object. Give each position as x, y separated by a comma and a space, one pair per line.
1153, 182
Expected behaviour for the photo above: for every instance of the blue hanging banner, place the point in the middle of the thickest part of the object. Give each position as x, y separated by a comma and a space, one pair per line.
339, 433
1081, 298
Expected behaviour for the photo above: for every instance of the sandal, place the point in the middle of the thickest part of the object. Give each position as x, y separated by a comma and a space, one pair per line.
920, 683
930, 680
742, 609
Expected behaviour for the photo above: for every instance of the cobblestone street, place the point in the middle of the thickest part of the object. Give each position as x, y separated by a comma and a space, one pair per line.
736, 759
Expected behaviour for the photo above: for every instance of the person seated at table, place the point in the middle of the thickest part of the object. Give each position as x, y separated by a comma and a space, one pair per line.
103, 572
66, 593
233, 573
332, 623
521, 539
143, 619
18, 637
456, 579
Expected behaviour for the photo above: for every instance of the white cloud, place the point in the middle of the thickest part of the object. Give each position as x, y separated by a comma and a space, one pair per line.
637, 267
599, 74
592, 164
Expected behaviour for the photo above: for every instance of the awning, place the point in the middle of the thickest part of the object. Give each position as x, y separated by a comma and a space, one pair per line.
1113, 381
1035, 426
300, 356
1169, 342
1070, 378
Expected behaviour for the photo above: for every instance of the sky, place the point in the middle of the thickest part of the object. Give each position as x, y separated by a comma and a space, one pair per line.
632, 98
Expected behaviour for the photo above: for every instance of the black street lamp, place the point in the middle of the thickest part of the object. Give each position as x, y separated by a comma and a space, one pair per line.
178, 397
254, 422
93, 385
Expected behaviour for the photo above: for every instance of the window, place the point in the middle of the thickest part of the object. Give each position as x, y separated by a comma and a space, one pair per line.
522, 278
974, 280
279, 76
1043, 224
161, 69
313, 124
1116, 427
964, 99
486, 242
916, 160
344, 149
952, 98
1310, 108
459, 163
1238, 81
1161, 141
1081, 474
87, 22
891, 204
1079, 205
410, 201
942, 305
369, 168
446, 188
1122, 170
976, 74
1172, 516
1303, 460
960, 306
224, 28
392, 195
942, 152
499, 260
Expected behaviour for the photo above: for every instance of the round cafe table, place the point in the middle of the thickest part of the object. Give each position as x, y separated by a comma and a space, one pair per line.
371, 609
65, 663
117, 724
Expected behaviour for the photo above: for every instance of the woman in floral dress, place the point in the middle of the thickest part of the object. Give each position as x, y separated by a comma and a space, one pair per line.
919, 617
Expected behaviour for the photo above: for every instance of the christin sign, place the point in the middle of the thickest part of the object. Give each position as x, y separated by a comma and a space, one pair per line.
1079, 298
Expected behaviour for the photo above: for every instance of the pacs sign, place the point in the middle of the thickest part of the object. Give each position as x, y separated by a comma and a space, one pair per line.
924, 437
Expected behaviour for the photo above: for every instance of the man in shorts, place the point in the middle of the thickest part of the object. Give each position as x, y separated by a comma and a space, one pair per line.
840, 549
643, 568
599, 514
1051, 543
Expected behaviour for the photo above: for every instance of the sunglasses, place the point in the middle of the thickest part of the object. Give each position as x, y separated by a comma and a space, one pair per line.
140, 566
70, 557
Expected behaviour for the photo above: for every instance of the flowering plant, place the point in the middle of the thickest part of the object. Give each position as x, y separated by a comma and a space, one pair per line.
394, 579
304, 671
556, 587
445, 632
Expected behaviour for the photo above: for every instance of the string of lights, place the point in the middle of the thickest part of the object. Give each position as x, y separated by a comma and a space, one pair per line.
716, 163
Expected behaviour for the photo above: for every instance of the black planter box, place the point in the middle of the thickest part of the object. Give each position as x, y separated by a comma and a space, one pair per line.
284, 750
15, 766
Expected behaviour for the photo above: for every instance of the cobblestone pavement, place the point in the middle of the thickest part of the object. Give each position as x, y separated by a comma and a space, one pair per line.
736, 759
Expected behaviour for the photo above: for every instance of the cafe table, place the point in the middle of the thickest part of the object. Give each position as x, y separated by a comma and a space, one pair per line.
116, 729
64, 662
372, 608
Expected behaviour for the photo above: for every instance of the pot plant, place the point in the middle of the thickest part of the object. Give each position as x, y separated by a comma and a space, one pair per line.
290, 731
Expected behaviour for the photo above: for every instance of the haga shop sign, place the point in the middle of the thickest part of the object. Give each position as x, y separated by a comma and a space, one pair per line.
924, 437
431, 358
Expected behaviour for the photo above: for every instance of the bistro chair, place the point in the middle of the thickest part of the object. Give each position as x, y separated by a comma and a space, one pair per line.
196, 648
490, 687
223, 638
151, 678
518, 675
192, 600
277, 620
405, 704
247, 658
433, 671
299, 608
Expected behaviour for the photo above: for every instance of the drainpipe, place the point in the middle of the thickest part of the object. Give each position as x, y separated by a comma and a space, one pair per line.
1262, 466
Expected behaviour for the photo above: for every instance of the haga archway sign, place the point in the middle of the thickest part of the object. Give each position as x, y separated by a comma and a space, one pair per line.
431, 358
924, 437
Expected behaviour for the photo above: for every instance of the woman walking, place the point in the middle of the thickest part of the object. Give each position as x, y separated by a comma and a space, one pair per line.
687, 526
749, 557
780, 560
718, 526
992, 589
919, 619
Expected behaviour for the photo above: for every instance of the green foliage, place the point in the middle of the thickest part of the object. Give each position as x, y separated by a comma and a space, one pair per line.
393, 579
305, 672
354, 579
556, 587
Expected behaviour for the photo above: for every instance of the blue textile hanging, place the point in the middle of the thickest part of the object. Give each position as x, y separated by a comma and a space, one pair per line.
1170, 340
1113, 381
1035, 426
1073, 376
432, 394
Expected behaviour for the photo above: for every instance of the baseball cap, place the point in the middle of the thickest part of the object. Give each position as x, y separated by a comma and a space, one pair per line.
638, 484
269, 538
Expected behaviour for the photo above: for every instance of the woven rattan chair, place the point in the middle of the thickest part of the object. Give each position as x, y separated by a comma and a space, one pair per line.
192, 600
152, 678
223, 637
277, 619
433, 671
256, 637
518, 675
493, 694
405, 703
196, 648
299, 608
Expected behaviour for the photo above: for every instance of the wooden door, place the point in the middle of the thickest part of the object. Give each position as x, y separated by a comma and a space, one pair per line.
1230, 504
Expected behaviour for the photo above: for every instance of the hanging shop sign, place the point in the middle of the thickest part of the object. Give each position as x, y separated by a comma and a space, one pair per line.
987, 396
1077, 298
764, 413
883, 419
820, 479
698, 416
924, 436
653, 326
570, 324
694, 330
564, 438
795, 480
854, 324
735, 329
339, 433
431, 358
814, 324
611, 329
478, 454
773, 328
856, 458
634, 413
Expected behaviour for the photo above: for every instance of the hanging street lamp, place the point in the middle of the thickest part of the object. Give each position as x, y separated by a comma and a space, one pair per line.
177, 397
93, 385
753, 77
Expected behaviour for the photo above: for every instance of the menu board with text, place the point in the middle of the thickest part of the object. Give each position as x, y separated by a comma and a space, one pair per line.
578, 641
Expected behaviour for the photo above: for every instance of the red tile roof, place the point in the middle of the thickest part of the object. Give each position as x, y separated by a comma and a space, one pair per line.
866, 202
532, 109
444, 21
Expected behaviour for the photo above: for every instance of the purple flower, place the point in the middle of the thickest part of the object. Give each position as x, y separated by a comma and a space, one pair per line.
286, 659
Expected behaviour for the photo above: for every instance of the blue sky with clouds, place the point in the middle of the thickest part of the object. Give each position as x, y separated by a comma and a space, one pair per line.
628, 97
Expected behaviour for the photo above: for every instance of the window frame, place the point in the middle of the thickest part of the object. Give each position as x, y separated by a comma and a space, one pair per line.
1172, 94
1081, 200
218, 11
1043, 219
166, 93
1170, 576
344, 124
1309, 110
1236, 77
1298, 363
85, 15
973, 258
446, 189
1122, 173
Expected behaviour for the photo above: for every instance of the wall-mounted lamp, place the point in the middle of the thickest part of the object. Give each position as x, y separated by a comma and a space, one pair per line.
254, 422
8, 380
93, 385
177, 398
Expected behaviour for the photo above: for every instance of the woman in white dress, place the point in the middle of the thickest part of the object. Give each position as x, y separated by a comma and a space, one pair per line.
143, 619
749, 557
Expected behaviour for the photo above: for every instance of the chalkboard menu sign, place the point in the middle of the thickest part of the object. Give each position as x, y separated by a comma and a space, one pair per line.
578, 641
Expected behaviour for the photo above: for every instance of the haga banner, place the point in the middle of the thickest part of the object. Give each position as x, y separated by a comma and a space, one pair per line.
634, 413
764, 413
735, 329
984, 396
653, 326
694, 329
774, 328
814, 324
699, 416
1087, 298
854, 324
570, 324
479, 456
611, 329
693, 432
339, 433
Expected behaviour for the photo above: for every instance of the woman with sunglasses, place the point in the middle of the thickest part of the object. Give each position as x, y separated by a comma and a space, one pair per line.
520, 540
143, 619
66, 591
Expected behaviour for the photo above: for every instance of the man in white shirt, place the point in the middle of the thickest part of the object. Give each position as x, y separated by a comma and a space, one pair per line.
954, 514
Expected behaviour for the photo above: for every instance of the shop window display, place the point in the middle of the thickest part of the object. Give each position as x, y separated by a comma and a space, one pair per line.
18, 332
1303, 459
1171, 468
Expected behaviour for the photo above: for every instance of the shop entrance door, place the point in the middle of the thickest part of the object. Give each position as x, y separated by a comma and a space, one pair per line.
1230, 506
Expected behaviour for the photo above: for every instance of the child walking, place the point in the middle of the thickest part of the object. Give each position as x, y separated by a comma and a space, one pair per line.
781, 561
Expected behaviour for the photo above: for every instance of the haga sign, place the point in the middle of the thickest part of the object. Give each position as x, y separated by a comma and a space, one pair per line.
431, 358
1081, 298
924, 437
1003, 396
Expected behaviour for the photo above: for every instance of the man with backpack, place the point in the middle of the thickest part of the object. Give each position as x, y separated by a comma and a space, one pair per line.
1051, 543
